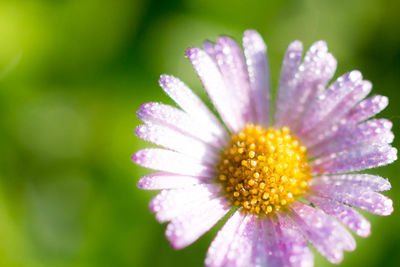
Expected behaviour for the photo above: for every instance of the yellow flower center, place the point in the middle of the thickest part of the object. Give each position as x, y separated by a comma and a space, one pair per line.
264, 170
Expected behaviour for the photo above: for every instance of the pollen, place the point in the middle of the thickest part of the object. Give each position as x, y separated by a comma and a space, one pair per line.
264, 170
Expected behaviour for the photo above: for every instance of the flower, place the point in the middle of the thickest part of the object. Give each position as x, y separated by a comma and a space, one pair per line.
285, 181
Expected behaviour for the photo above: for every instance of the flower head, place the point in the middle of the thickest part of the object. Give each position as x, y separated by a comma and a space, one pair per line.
288, 174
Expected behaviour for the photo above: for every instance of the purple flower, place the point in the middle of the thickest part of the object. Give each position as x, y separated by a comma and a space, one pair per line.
287, 175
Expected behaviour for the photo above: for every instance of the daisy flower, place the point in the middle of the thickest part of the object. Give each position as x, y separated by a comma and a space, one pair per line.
286, 178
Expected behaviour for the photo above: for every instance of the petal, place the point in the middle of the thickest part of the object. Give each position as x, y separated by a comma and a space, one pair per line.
338, 95
188, 227
259, 257
285, 244
171, 117
367, 108
257, 66
191, 104
360, 112
358, 197
313, 74
241, 247
363, 181
170, 161
171, 139
325, 233
209, 48
214, 84
296, 248
231, 63
164, 180
274, 252
287, 81
347, 215
372, 131
336, 117
355, 159
219, 247
171, 203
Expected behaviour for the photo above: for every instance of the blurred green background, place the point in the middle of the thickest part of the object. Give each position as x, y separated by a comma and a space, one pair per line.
74, 72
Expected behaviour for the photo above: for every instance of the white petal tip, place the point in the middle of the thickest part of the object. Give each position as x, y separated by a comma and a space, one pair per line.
192, 52
319, 46
388, 207
164, 78
252, 38
141, 184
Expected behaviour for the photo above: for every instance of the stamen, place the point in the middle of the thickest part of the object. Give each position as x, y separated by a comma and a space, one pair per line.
264, 170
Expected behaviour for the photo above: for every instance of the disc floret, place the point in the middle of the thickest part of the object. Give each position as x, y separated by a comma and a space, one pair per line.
264, 170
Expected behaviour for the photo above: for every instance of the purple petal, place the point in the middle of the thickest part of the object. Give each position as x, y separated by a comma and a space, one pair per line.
355, 159
173, 162
274, 251
192, 104
164, 180
171, 203
348, 216
313, 74
363, 181
213, 82
168, 116
231, 63
285, 244
257, 67
367, 108
259, 257
364, 110
337, 96
336, 118
188, 227
358, 197
240, 250
219, 247
372, 131
325, 233
287, 81
209, 48
296, 249
177, 141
